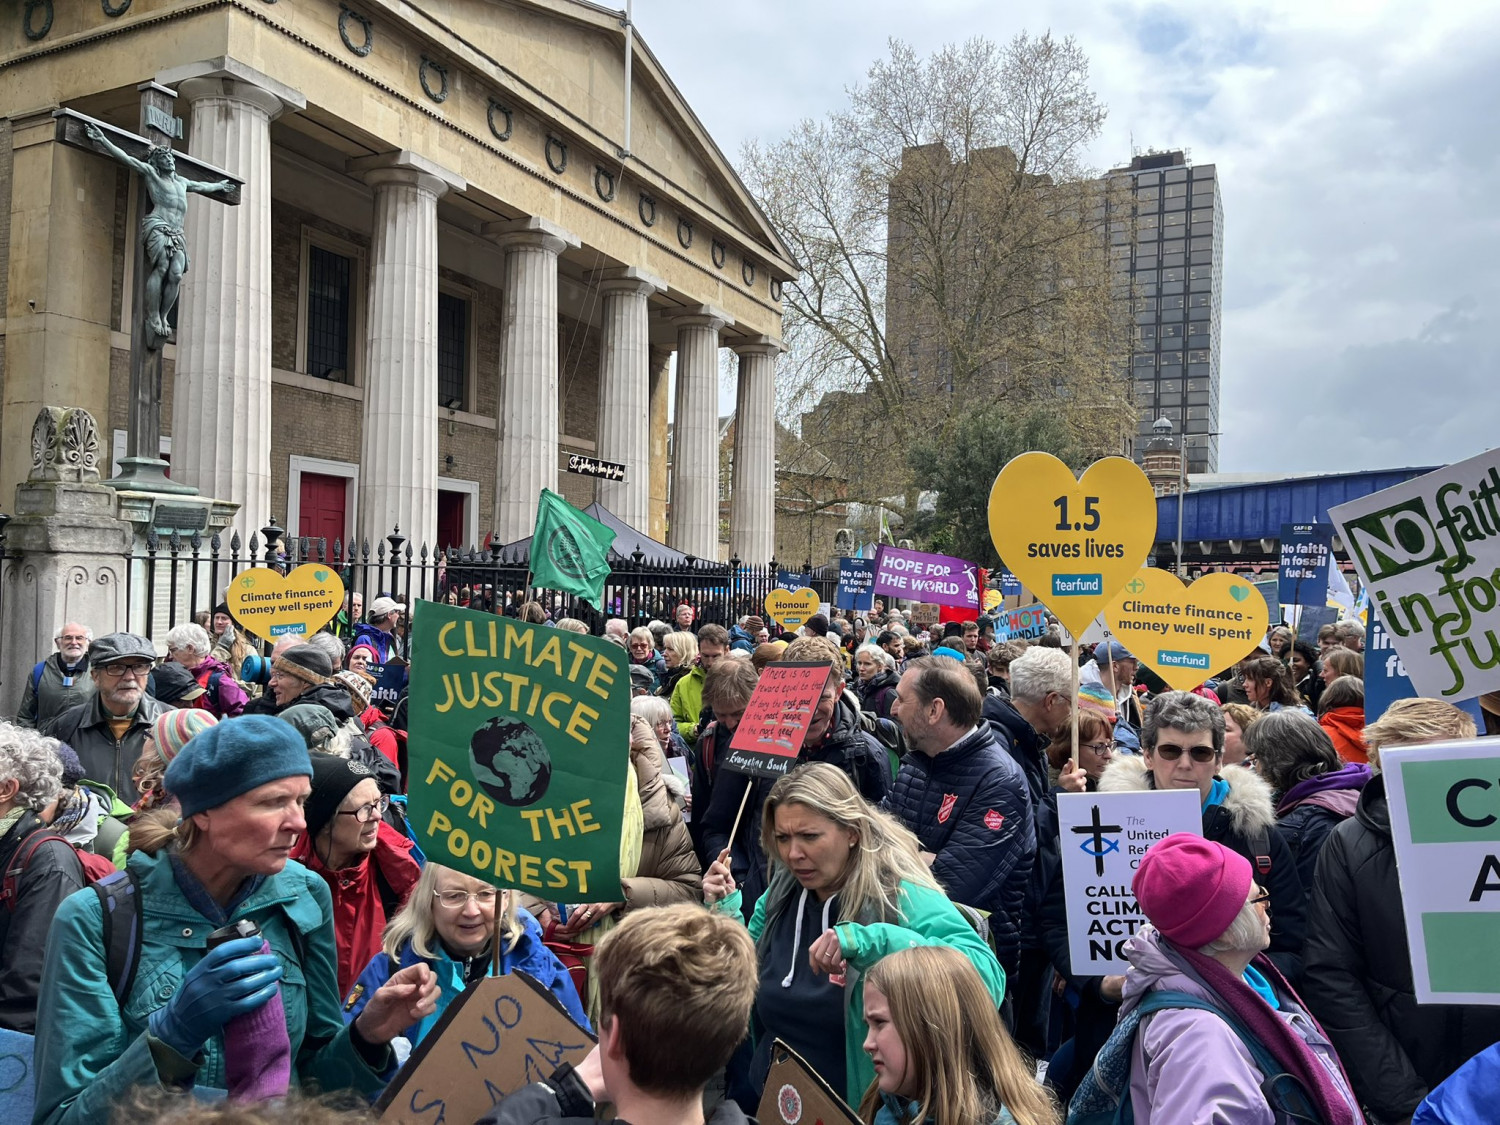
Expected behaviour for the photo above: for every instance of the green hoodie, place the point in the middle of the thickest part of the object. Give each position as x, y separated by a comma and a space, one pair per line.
91, 1050
927, 918
687, 702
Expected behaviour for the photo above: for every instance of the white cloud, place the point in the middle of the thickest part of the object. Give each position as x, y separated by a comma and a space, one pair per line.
1355, 149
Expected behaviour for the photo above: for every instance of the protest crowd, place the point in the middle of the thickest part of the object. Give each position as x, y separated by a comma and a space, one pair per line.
214, 882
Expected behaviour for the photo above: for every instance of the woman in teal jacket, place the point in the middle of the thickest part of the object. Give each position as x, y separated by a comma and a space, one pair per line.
848, 886
182, 1022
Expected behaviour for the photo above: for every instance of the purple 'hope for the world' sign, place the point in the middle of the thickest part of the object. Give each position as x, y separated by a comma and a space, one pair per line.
926, 578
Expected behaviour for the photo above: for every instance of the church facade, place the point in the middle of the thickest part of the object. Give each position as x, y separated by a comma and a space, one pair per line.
448, 276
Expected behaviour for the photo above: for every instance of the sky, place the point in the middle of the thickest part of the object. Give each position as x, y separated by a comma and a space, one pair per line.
1357, 156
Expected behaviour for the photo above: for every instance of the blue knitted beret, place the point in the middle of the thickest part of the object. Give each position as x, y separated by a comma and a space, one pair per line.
234, 757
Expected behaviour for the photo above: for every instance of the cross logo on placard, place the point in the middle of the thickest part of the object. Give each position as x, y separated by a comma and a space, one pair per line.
1097, 846
1135, 585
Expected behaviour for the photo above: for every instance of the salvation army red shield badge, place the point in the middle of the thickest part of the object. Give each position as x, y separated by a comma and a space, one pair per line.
993, 820
946, 809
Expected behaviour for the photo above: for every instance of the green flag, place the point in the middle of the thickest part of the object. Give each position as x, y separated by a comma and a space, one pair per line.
569, 550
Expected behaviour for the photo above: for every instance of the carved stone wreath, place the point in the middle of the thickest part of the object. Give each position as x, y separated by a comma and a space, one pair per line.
361, 49
684, 233
558, 162
510, 121
747, 271
430, 68
647, 210
115, 9
776, 289
33, 32
716, 252
604, 183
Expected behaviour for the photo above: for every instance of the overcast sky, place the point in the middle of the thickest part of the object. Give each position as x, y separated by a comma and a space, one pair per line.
1357, 151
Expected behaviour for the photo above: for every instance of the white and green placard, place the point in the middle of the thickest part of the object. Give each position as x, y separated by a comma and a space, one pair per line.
1445, 823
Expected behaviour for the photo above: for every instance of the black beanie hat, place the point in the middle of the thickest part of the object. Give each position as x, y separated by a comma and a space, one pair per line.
333, 778
306, 663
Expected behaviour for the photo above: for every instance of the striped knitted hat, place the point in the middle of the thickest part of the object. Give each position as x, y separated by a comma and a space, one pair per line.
1096, 698
172, 730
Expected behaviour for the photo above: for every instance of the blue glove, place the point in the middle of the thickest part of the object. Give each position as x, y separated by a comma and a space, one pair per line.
233, 979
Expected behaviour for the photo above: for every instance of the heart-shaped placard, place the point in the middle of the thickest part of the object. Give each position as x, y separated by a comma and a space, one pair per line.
991, 599
791, 608
270, 605
1073, 542
1187, 633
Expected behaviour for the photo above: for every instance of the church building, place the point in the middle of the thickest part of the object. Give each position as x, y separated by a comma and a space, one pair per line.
471, 238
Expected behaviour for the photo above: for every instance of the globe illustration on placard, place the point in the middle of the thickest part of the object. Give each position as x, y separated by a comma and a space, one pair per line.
510, 761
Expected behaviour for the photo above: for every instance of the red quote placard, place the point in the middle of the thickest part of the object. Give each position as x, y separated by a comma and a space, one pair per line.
776, 719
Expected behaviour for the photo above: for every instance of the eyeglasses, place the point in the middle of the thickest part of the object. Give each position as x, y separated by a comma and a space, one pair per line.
366, 813
81, 638
115, 671
1262, 899
1103, 749
1170, 753
457, 900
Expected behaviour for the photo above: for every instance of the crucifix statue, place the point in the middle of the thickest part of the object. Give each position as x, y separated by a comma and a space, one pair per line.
161, 258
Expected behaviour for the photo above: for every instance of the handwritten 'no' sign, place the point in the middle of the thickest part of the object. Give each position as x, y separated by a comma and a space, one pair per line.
1073, 542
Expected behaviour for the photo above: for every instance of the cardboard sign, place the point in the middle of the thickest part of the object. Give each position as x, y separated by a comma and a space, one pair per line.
1104, 836
775, 722
1385, 676
17, 1082
786, 580
932, 578
1311, 619
269, 604
1306, 554
1073, 542
856, 584
924, 613
519, 737
1027, 622
1187, 633
1010, 585
1429, 552
992, 599
390, 681
501, 1034
795, 1095
791, 609
1445, 824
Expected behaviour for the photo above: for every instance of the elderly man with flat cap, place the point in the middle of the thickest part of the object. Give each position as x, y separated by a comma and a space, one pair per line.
109, 730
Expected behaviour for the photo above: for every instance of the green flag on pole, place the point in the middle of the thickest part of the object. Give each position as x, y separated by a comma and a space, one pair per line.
569, 550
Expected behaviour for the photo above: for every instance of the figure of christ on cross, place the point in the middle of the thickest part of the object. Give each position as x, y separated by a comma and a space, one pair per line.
162, 233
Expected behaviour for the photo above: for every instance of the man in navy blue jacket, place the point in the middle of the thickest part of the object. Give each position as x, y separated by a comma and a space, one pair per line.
964, 797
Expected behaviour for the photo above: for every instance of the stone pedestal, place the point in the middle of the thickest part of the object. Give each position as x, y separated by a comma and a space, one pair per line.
221, 405
752, 512
526, 410
625, 392
66, 550
694, 523
399, 438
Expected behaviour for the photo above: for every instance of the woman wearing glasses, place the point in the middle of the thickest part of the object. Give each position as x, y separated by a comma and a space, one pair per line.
447, 925
366, 863
1182, 747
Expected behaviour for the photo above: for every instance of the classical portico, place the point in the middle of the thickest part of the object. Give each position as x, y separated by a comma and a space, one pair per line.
446, 277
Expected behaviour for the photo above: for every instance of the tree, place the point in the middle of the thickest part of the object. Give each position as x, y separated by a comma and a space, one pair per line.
963, 464
953, 257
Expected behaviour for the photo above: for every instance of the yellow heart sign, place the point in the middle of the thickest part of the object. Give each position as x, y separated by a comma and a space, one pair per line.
270, 605
1187, 633
791, 608
991, 599
1073, 542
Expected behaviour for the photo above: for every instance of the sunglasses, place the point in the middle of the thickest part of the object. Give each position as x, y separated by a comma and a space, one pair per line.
1170, 753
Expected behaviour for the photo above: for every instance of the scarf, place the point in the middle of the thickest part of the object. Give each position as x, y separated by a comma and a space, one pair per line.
1288, 1048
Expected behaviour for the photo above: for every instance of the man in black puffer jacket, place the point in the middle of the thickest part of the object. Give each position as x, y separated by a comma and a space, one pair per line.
964, 798
835, 735
1357, 964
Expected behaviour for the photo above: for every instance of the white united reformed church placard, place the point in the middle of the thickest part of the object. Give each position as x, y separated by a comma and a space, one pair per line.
1104, 836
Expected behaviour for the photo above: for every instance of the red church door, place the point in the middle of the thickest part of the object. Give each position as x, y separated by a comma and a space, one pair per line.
450, 521
323, 511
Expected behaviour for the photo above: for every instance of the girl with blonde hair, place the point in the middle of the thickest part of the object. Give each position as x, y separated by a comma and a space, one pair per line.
848, 886
448, 924
941, 1054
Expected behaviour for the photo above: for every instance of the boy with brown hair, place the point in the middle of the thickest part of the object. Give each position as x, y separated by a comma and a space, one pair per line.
676, 985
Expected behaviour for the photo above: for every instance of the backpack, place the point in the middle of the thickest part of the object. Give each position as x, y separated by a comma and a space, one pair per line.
95, 867
36, 677
1103, 1097
888, 734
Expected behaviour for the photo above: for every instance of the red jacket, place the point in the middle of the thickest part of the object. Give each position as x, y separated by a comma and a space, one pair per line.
359, 915
1346, 726
381, 734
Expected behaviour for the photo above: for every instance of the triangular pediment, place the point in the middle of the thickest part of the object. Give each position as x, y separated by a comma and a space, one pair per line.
569, 57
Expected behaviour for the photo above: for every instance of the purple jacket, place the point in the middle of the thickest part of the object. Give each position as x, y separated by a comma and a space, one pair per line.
1337, 791
1188, 1067
231, 698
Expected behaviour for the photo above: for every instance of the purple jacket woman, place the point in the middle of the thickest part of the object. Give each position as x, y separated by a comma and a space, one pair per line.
1311, 809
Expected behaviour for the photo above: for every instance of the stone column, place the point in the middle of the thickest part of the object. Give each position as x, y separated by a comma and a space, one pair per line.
694, 523
624, 428
221, 398
752, 512
526, 407
399, 433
